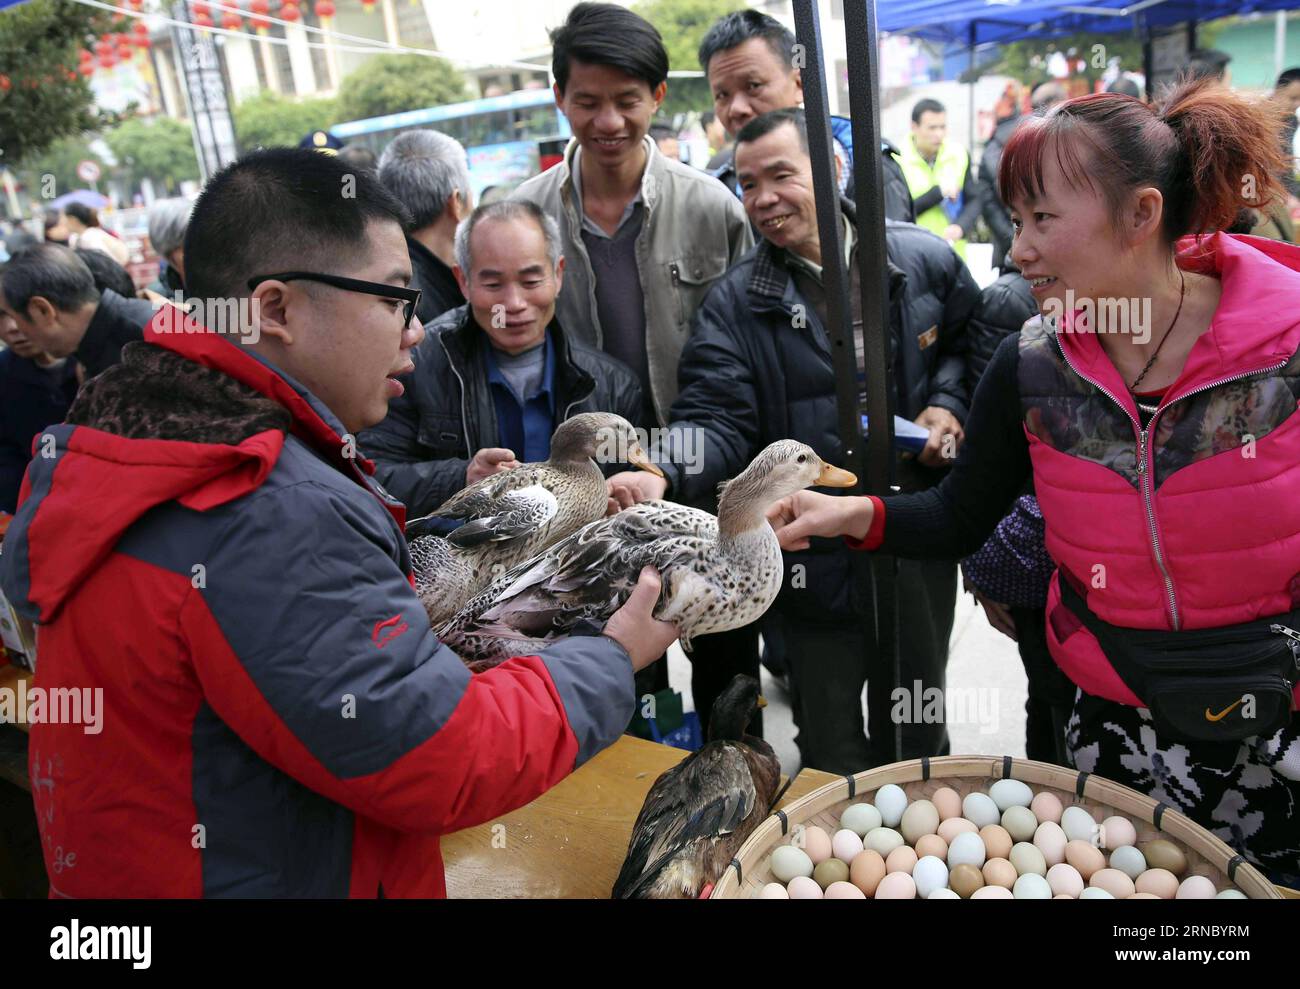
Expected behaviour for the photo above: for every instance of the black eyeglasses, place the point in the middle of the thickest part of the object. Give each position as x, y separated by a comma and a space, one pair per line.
409, 296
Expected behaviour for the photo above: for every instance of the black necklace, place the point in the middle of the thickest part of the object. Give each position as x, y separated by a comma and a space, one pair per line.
1182, 291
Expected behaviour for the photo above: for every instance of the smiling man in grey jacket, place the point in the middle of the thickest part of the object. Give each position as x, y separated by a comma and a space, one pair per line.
645, 237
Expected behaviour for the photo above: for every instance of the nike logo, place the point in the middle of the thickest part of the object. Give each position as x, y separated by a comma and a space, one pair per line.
1224, 713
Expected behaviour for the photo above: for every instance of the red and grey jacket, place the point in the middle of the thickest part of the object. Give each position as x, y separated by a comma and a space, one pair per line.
278, 719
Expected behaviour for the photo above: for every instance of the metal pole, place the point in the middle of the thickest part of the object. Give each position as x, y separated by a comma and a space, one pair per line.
869, 184
876, 455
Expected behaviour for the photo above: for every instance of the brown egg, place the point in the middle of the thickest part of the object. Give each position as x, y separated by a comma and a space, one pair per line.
931, 844
1159, 882
1086, 858
1113, 882
953, 826
866, 870
965, 879
947, 802
896, 886
997, 842
901, 859
830, 871
999, 872
1162, 854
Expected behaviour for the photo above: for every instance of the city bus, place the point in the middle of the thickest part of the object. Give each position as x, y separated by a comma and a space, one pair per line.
508, 138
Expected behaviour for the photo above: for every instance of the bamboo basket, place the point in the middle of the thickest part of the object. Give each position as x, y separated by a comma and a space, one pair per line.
1206, 855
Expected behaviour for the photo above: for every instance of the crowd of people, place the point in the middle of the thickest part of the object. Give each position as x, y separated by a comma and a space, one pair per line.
215, 537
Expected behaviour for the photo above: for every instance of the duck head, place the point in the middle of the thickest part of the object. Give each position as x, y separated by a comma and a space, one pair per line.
735, 708
600, 436
781, 469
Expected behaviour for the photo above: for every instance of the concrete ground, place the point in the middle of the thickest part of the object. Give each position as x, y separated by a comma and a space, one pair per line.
985, 703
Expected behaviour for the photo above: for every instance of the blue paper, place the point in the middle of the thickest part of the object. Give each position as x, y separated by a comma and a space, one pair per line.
908, 435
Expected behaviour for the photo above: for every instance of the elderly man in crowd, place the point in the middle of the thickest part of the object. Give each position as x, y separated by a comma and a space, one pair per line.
168, 221
428, 173
758, 368
494, 377
51, 296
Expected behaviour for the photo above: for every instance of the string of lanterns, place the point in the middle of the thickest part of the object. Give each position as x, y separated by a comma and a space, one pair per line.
119, 48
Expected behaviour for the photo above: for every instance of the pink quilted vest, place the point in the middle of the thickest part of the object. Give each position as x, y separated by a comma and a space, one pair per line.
1194, 522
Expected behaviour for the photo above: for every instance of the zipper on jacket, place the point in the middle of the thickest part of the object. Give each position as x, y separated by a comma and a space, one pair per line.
1147, 498
1146, 476
464, 411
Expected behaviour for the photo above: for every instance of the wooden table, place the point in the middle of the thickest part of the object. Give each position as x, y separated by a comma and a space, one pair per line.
570, 842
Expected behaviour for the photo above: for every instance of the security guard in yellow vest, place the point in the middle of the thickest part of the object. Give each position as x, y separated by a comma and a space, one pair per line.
939, 176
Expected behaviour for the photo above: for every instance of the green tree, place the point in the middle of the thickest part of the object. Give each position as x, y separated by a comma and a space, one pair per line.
393, 83
42, 97
269, 120
160, 149
683, 24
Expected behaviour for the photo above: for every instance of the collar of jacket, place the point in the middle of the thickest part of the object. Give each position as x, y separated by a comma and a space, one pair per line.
103, 333
771, 287
177, 331
651, 177
463, 341
434, 265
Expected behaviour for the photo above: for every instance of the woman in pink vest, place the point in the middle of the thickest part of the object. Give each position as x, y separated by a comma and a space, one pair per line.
1154, 401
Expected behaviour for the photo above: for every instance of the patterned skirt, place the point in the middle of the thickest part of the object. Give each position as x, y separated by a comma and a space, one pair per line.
1246, 793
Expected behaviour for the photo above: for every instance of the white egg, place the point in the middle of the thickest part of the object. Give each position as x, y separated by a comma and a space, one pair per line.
966, 849
943, 893
1230, 894
773, 891
1195, 888
1010, 793
1079, 825
1095, 893
789, 862
860, 818
992, 893
1065, 879
846, 845
980, 809
1031, 886
1129, 861
891, 801
930, 874
882, 840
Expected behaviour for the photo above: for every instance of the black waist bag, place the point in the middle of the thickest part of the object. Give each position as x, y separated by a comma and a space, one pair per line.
1204, 685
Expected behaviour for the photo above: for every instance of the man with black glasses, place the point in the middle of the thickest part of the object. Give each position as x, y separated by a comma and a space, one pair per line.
202, 543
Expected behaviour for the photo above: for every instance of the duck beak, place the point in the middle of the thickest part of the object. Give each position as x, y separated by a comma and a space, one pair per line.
637, 458
833, 477
762, 702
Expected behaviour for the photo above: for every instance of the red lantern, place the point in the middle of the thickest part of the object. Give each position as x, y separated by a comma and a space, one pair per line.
324, 9
289, 12
85, 56
231, 21
368, 6
87, 69
107, 61
202, 21
136, 5
4, 83
140, 29
201, 10
125, 49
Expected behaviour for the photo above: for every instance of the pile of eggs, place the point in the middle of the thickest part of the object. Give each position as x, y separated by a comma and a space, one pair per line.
1005, 844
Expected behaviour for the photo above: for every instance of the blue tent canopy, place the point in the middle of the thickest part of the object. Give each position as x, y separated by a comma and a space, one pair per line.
980, 22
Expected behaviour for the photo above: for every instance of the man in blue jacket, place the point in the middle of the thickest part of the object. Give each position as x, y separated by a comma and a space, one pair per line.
758, 368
